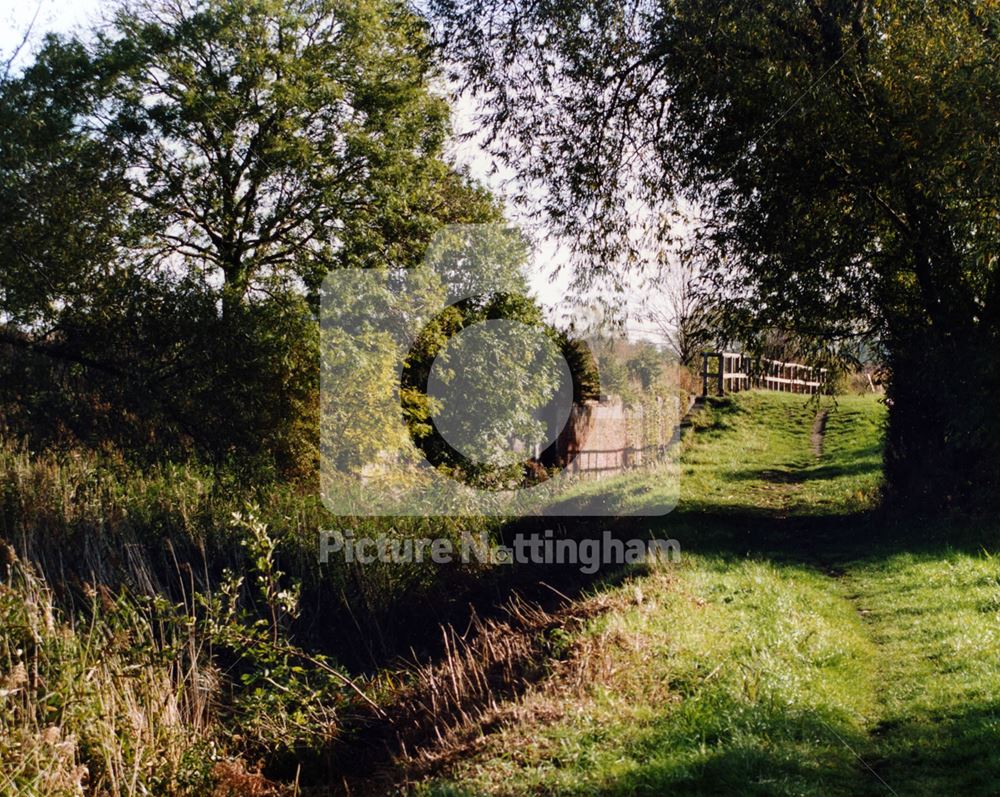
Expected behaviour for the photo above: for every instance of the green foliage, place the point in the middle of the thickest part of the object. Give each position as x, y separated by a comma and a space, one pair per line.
286, 699
157, 372
274, 140
614, 376
582, 366
454, 347
486, 385
635, 372
139, 695
646, 366
84, 516
63, 198
839, 156
174, 192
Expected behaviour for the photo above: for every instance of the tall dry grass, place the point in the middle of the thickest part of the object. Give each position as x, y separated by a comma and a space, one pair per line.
115, 704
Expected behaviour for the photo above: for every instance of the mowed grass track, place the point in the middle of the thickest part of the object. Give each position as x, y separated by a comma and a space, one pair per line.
802, 646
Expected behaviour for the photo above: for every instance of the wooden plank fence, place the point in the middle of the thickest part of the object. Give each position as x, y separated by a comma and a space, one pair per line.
728, 372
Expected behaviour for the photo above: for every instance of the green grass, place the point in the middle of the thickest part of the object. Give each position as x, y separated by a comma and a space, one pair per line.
936, 621
729, 678
80, 516
804, 646
100, 683
754, 456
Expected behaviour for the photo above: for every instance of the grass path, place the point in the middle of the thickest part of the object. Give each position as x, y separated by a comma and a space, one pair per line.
800, 648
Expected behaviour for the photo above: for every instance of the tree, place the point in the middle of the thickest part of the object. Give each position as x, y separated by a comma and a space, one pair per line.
646, 366
176, 187
684, 317
276, 139
841, 155
63, 196
582, 368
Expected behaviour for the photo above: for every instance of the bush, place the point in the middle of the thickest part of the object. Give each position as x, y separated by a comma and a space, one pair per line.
158, 373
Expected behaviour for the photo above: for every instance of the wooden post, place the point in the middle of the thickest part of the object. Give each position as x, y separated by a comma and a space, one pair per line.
717, 376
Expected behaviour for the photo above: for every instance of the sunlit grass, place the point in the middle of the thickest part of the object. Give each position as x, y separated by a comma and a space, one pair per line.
729, 678
936, 620
754, 454
864, 665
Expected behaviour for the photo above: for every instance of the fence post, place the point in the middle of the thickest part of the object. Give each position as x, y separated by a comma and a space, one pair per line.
718, 376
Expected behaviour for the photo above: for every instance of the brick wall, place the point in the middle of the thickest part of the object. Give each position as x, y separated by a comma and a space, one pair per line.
606, 437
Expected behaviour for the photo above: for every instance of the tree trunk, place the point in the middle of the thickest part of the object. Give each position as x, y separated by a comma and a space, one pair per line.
943, 440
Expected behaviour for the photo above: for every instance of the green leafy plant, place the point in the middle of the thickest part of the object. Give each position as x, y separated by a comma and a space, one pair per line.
284, 698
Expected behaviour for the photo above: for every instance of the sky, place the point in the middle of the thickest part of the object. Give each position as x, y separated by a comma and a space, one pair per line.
53, 15
66, 16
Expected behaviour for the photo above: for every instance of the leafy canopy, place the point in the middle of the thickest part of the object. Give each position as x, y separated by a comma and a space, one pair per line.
840, 155
175, 188
835, 161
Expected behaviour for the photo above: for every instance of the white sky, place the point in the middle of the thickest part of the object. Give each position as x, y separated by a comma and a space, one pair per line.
65, 16
53, 15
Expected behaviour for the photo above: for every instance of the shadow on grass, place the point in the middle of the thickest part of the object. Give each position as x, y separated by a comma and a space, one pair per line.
719, 746
763, 753
729, 748
952, 754
803, 475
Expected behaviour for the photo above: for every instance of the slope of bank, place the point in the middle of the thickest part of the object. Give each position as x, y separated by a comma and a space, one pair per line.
803, 646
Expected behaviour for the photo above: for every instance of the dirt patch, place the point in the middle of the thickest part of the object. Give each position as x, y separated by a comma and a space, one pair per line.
819, 432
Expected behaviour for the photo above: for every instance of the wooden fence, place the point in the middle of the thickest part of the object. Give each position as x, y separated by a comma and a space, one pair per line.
735, 372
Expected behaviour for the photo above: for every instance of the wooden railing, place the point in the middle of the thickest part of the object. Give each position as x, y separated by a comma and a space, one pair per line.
735, 372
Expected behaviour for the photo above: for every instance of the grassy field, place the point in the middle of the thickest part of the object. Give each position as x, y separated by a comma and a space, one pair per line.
804, 646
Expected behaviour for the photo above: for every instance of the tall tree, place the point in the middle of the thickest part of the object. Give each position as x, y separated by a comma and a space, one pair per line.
63, 196
842, 155
276, 139
176, 186
683, 316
